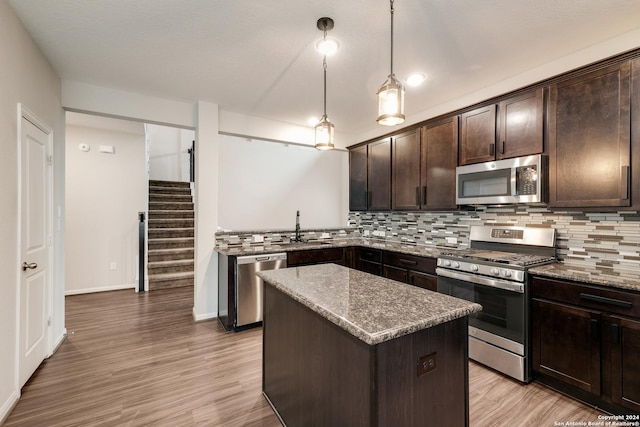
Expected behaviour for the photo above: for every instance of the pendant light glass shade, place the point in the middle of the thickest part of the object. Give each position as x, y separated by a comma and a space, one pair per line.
324, 134
391, 94
391, 102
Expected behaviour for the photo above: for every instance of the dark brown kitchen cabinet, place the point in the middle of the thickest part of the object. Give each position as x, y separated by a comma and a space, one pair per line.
379, 175
316, 256
478, 135
589, 139
412, 269
439, 158
358, 179
566, 344
586, 342
513, 128
369, 260
520, 125
406, 191
625, 362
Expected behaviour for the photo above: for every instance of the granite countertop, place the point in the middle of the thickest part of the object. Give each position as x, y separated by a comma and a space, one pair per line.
371, 308
585, 274
425, 251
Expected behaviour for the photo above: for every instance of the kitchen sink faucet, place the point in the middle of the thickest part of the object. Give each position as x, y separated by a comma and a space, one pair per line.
298, 238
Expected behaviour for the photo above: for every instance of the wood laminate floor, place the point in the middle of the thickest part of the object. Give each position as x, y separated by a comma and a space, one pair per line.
140, 360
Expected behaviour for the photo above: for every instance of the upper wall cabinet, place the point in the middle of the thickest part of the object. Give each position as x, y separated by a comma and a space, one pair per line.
406, 191
478, 135
370, 176
589, 139
519, 124
358, 179
379, 175
424, 167
439, 158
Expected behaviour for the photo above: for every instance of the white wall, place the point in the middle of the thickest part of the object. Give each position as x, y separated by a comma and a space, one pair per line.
263, 184
25, 77
104, 193
168, 155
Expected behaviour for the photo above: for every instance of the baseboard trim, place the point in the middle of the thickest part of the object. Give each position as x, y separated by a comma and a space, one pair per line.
8, 406
100, 289
203, 316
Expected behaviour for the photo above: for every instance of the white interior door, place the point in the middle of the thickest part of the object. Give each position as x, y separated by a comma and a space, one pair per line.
34, 249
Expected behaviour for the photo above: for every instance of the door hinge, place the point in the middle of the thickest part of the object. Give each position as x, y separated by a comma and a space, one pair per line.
49, 240
49, 160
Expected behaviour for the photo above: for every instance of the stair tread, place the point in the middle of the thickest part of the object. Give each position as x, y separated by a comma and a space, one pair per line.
169, 276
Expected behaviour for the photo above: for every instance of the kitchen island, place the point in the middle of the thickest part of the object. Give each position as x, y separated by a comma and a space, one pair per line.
344, 347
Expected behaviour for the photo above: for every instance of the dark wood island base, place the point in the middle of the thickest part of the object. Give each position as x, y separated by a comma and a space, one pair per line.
317, 374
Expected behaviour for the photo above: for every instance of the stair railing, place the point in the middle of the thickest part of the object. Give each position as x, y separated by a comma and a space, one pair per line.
141, 248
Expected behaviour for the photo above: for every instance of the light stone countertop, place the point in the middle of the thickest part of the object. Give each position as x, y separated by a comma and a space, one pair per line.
406, 248
371, 308
576, 272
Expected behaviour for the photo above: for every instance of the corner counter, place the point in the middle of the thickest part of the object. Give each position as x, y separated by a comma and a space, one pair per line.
344, 347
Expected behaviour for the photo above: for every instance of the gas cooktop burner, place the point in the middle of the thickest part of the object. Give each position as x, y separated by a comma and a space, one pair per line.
509, 258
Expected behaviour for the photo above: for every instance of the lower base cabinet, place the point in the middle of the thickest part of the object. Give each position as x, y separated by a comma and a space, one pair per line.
414, 270
586, 342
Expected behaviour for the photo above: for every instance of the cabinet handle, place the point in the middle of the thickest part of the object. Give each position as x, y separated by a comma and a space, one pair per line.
492, 149
595, 329
605, 300
424, 195
407, 262
624, 180
615, 334
418, 196
501, 147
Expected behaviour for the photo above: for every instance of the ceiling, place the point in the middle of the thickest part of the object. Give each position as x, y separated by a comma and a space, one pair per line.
258, 58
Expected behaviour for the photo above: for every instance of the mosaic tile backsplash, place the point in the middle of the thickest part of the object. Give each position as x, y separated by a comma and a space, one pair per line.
606, 241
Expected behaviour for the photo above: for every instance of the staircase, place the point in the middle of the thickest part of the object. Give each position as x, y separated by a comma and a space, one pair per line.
170, 262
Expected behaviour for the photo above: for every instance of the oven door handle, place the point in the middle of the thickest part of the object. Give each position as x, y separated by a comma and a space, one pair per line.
481, 280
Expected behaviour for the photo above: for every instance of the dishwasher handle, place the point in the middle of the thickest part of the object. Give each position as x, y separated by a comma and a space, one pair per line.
251, 259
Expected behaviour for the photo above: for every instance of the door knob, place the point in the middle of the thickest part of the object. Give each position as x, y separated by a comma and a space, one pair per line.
29, 265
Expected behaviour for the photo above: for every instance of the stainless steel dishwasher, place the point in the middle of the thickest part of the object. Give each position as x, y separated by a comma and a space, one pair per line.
248, 286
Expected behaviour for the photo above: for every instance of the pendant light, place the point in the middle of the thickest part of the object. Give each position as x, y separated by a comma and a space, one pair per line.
324, 129
391, 94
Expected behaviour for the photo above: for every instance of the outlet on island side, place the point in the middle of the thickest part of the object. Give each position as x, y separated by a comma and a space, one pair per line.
113, 266
428, 363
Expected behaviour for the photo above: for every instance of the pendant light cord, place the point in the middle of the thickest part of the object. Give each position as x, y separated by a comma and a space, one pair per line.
324, 67
391, 1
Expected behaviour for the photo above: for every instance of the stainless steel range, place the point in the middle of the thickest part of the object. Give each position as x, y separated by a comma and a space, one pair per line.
493, 273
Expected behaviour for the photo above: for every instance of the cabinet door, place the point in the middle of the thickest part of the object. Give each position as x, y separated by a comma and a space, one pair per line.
589, 139
422, 280
439, 158
395, 273
358, 179
406, 171
520, 125
379, 175
566, 344
625, 362
478, 135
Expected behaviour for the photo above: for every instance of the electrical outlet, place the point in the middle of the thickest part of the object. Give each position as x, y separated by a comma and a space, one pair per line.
428, 363
113, 266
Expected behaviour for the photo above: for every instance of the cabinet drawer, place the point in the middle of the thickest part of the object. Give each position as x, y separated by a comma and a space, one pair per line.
315, 256
371, 267
595, 297
411, 262
373, 255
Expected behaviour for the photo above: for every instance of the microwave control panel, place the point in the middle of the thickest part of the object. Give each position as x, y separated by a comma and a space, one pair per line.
527, 180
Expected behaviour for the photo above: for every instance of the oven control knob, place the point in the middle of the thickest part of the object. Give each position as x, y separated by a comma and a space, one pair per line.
507, 273
495, 271
474, 267
455, 264
446, 263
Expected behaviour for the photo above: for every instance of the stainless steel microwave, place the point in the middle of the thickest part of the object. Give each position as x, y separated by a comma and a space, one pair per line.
509, 181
